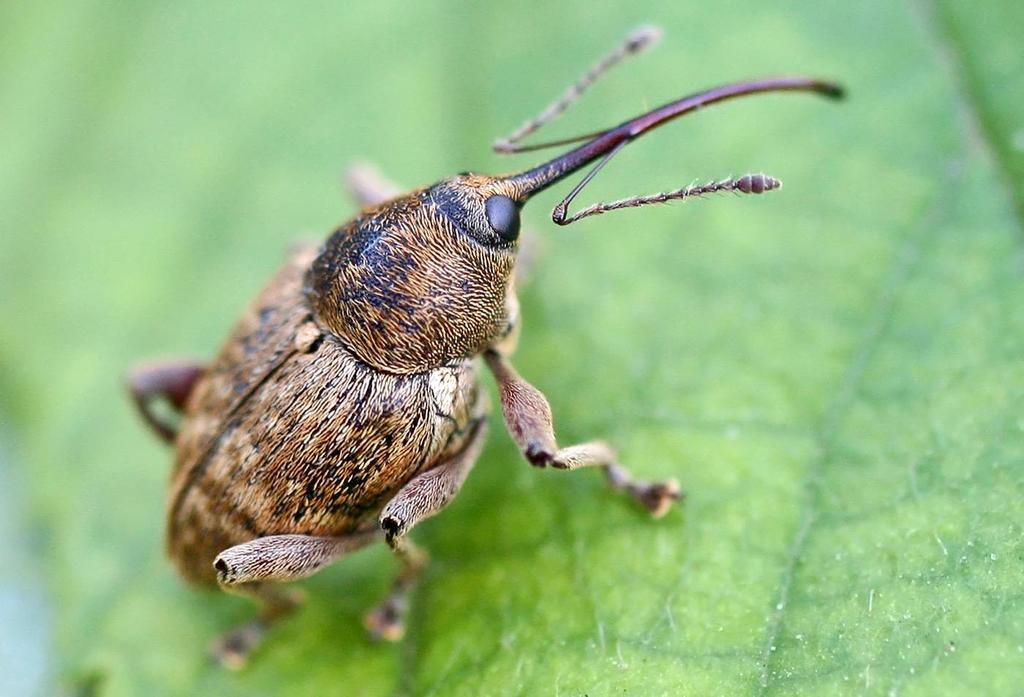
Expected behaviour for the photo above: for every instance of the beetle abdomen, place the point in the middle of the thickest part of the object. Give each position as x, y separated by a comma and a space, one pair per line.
277, 440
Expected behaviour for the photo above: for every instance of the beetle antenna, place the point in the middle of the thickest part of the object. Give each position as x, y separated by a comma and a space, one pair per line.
602, 147
747, 184
637, 41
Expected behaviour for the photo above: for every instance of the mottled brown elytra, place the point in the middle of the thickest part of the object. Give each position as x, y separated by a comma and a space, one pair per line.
345, 406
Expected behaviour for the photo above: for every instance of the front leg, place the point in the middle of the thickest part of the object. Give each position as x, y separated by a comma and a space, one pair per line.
528, 418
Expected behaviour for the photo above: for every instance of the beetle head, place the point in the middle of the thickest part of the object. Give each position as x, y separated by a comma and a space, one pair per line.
424, 278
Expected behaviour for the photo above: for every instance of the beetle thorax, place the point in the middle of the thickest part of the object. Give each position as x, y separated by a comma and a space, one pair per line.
406, 290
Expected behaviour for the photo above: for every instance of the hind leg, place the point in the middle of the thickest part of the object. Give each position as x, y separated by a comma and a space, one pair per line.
172, 379
253, 568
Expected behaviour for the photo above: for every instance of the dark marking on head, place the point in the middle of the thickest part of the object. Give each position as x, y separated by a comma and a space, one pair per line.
358, 242
454, 205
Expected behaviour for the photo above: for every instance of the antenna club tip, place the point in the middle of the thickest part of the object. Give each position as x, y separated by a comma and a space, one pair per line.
643, 37
757, 183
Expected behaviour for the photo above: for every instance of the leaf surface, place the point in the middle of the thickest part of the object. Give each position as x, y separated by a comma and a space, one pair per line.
833, 372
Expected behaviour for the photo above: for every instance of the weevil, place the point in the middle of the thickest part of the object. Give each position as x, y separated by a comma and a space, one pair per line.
345, 407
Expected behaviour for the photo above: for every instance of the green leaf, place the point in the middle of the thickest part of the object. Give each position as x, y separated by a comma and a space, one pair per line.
833, 372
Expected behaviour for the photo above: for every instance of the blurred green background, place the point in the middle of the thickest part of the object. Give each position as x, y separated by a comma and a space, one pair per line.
833, 372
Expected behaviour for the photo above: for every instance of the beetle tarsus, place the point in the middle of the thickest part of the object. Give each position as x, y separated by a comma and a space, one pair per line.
232, 649
386, 622
656, 497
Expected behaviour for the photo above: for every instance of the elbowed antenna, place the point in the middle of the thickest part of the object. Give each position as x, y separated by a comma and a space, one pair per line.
747, 184
605, 144
639, 40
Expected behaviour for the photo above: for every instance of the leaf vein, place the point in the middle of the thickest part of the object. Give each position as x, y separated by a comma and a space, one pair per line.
901, 271
980, 123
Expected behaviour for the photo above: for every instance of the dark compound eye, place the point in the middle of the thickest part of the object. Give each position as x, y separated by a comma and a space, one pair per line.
503, 216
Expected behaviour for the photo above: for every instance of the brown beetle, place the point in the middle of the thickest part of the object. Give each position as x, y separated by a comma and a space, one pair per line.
345, 406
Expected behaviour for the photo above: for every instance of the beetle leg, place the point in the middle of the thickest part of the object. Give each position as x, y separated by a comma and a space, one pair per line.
172, 379
368, 186
528, 418
252, 568
427, 493
423, 496
387, 620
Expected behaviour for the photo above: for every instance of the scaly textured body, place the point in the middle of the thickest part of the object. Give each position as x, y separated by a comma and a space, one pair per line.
279, 440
